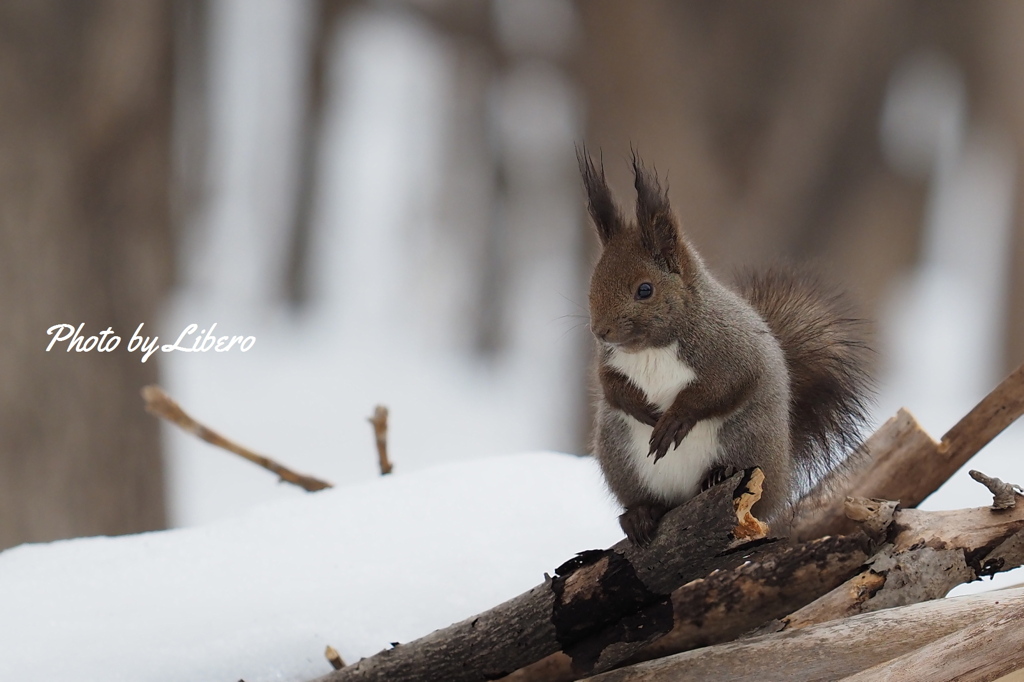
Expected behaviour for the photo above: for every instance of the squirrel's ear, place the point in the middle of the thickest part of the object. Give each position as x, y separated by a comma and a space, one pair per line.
600, 204
659, 232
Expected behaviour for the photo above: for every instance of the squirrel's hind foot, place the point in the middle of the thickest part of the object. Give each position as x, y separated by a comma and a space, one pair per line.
640, 522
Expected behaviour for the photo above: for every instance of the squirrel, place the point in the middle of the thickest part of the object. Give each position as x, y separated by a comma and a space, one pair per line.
699, 381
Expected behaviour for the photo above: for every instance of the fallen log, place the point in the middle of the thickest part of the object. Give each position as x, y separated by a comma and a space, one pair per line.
726, 604
839, 649
923, 555
715, 530
717, 608
982, 652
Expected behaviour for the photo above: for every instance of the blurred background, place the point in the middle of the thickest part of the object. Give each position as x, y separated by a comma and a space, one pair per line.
385, 194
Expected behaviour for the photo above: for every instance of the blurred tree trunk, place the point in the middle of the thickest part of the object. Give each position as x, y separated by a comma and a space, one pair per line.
327, 17
84, 238
996, 58
764, 118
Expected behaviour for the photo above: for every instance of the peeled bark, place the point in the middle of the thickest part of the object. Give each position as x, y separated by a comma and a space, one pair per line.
929, 553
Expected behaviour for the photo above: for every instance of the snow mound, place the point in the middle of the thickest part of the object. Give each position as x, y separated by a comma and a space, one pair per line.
258, 597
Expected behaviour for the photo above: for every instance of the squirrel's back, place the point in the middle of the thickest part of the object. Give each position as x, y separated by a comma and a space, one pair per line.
826, 357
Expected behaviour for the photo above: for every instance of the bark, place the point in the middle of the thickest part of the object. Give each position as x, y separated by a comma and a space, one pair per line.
589, 593
984, 651
924, 555
726, 604
718, 608
928, 554
836, 650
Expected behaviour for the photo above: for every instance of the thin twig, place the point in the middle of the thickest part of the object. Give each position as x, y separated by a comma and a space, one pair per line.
1004, 495
160, 404
380, 430
334, 658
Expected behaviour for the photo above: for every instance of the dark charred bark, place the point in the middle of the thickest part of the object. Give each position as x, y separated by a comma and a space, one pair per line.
588, 594
712, 610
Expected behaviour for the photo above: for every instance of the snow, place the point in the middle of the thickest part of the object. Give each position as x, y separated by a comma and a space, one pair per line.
259, 596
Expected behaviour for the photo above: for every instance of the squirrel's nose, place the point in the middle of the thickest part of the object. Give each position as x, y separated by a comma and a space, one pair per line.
603, 332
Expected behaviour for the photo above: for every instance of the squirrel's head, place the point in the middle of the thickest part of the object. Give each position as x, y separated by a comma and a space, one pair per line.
647, 275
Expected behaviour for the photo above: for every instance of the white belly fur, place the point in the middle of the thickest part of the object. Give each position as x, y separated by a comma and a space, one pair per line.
660, 374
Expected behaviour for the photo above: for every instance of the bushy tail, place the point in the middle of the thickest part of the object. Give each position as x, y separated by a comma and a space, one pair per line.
827, 359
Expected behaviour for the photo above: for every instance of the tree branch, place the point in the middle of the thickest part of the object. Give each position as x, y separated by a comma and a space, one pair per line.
589, 593
982, 652
928, 554
841, 648
924, 555
160, 404
904, 463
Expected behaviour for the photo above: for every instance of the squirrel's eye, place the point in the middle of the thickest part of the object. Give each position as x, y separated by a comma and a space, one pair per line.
644, 291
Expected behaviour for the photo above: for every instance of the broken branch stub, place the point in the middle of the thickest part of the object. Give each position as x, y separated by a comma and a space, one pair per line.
1004, 495
334, 658
873, 516
379, 420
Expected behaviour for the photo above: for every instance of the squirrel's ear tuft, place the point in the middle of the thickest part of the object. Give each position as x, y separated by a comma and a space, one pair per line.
659, 232
600, 204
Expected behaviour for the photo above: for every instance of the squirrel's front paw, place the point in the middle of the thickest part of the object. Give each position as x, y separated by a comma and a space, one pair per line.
670, 431
640, 521
646, 415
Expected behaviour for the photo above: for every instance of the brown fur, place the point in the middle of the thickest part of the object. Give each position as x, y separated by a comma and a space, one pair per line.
827, 357
777, 369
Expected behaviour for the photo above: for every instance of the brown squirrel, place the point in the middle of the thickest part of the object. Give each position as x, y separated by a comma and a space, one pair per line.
699, 381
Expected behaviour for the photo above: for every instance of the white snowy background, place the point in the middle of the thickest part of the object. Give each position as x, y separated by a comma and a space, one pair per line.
259, 576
